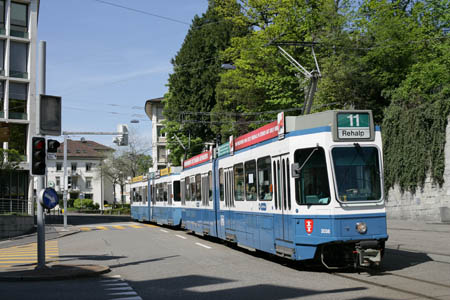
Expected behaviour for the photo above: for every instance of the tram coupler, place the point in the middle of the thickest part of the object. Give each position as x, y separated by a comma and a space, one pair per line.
368, 253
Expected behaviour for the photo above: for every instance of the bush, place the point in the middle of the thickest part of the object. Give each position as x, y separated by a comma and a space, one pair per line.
84, 203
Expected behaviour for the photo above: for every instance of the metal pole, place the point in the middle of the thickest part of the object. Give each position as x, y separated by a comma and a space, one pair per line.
40, 179
65, 182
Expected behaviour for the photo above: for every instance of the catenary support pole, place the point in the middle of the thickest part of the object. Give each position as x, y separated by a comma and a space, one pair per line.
65, 182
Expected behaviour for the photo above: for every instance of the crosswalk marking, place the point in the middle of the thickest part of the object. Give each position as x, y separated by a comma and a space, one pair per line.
27, 254
118, 227
136, 226
86, 228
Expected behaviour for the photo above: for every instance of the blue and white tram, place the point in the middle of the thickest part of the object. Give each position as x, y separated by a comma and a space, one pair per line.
165, 206
313, 192
164, 199
306, 187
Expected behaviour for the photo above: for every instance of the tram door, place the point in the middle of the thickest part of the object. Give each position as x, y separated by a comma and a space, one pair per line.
282, 198
229, 197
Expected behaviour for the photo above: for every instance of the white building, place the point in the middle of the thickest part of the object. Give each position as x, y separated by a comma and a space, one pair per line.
154, 110
85, 179
18, 34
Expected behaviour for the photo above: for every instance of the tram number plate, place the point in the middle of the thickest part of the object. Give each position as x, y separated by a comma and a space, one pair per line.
353, 126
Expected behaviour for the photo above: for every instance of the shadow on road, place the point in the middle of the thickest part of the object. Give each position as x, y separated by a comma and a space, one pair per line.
196, 287
134, 263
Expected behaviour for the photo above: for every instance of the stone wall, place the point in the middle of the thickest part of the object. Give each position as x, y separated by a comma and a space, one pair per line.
11, 226
432, 203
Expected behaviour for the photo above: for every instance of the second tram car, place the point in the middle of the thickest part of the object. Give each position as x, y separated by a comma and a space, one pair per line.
305, 187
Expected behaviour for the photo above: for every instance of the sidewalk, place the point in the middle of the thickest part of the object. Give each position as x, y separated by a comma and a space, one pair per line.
51, 271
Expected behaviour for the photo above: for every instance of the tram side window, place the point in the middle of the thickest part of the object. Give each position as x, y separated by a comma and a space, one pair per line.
192, 187
165, 192
188, 189
312, 187
198, 187
221, 185
210, 195
250, 180
239, 182
176, 191
264, 179
183, 192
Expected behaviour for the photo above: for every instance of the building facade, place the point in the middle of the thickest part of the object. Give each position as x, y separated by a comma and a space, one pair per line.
84, 175
154, 110
18, 39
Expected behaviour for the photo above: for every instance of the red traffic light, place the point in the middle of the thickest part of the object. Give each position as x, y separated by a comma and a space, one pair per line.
38, 156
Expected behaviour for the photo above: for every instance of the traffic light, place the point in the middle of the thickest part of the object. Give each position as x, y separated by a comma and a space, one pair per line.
122, 139
52, 146
38, 156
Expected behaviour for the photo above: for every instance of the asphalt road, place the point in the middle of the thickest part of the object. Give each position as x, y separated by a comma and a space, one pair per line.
160, 263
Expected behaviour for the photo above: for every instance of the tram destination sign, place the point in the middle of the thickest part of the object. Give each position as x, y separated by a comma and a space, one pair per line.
354, 126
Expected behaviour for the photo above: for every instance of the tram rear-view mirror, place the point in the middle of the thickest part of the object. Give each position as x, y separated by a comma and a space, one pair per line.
295, 170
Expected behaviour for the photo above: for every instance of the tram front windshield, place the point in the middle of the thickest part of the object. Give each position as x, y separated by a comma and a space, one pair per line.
357, 171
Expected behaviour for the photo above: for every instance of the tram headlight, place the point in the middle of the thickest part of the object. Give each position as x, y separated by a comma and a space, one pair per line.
361, 227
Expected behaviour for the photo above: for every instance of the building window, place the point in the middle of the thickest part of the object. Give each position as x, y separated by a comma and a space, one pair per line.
88, 182
159, 113
162, 154
74, 167
2, 57
88, 196
18, 60
2, 17
58, 166
18, 100
18, 138
58, 181
2, 101
88, 167
19, 19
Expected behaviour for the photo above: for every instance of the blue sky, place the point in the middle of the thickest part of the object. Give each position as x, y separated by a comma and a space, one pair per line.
106, 61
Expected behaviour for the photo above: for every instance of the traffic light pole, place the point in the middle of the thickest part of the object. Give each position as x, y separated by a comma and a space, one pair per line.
40, 184
65, 182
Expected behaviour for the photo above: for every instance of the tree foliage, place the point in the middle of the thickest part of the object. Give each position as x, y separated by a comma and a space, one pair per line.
192, 84
390, 56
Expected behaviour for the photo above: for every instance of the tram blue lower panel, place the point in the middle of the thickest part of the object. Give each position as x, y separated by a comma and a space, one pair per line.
166, 215
201, 221
269, 232
140, 213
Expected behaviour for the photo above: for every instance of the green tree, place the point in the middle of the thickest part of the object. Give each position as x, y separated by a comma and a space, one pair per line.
192, 84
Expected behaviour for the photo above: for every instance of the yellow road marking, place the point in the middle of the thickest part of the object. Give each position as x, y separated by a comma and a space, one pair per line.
102, 228
118, 227
149, 225
85, 229
135, 226
27, 254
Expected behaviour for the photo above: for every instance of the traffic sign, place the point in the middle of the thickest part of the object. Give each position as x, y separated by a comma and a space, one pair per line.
49, 198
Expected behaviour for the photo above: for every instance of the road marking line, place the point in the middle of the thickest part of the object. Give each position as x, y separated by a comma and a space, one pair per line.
164, 230
85, 229
181, 237
125, 288
207, 247
116, 284
118, 227
102, 228
123, 294
136, 226
149, 225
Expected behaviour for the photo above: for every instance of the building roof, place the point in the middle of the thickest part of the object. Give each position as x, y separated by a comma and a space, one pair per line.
83, 149
149, 103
